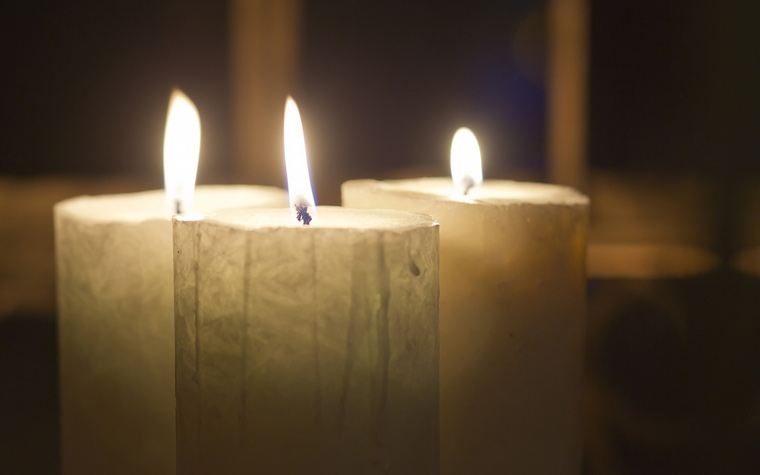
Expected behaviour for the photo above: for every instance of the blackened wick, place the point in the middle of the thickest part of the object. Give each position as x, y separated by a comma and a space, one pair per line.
302, 214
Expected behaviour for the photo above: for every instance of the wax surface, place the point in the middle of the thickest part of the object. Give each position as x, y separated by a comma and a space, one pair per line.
512, 319
116, 326
307, 349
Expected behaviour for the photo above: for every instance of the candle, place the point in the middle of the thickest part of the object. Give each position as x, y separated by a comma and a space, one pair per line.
512, 314
306, 339
115, 310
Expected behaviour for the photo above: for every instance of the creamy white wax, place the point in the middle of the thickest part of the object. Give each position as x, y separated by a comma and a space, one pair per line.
512, 318
116, 326
307, 349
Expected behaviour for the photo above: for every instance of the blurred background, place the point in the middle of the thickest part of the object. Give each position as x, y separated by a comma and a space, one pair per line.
650, 107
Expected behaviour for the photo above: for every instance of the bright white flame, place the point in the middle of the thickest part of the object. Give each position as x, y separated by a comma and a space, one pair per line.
466, 167
182, 144
299, 182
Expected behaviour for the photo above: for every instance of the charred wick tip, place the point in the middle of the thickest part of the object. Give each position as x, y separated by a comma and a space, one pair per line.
467, 184
302, 214
178, 206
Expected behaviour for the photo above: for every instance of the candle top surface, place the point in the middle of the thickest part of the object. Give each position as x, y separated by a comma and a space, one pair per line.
149, 205
325, 217
496, 192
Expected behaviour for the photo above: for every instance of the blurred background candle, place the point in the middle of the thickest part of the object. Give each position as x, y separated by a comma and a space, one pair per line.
115, 310
512, 316
306, 349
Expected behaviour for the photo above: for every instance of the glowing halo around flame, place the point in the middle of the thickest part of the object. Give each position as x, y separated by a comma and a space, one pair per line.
297, 168
466, 167
182, 144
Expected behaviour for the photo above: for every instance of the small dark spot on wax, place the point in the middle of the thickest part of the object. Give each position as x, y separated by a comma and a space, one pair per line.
414, 269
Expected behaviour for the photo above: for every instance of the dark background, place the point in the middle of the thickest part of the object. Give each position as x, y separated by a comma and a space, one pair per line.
85, 84
382, 86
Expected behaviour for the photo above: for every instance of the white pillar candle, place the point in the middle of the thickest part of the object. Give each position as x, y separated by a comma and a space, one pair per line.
115, 305
512, 318
116, 326
307, 349
307, 339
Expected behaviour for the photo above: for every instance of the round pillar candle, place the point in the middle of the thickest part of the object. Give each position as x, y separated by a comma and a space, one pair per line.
512, 319
116, 326
307, 349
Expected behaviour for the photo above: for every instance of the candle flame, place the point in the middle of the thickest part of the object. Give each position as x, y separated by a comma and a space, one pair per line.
182, 143
299, 182
466, 167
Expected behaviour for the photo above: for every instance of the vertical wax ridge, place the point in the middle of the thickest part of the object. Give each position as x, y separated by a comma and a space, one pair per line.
383, 338
244, 340
197, 321
351, 336
187, 328
315, 329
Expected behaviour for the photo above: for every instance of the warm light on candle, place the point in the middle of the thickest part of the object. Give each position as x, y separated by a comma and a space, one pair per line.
299, 182
182, 143
466, 167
